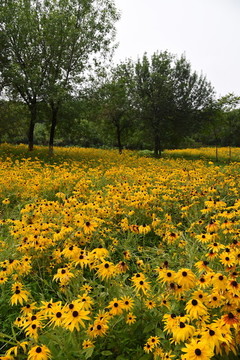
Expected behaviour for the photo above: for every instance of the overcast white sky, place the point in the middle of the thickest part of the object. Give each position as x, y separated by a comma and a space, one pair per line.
207, 31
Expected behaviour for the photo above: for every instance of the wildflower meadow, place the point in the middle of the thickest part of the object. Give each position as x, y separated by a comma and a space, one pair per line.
119, 257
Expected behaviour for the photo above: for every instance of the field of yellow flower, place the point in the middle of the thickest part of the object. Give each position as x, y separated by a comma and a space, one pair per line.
119, 257
218, 153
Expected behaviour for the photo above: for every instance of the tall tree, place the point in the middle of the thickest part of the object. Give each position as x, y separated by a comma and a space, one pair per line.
78, 35
115, 101
170, 98
21, 59
219, 122
49, 46
192, 94
154, 91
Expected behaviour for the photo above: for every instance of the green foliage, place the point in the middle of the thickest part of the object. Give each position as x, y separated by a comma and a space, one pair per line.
115, 103
13, 121
49, 45
170, 97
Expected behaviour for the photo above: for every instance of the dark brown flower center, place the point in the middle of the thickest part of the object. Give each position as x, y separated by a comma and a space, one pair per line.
198, 352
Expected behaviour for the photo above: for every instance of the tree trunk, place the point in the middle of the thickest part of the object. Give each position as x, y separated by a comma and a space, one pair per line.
53, 127
119, 139
157, 148
33, 111
230, 153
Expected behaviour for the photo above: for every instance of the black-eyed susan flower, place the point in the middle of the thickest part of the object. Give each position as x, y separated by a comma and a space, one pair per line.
141, 285
130, 318
6, 201
39, 352
144, 229
127, 303
73, 318
32, 329
170, 321
127, 254
186, 278
181, 332
47, 307
28, 308
86, 301
202, 265
100, 327
166, 275
232, 319
3, 278
164, 301
34, 318
197, 350
195, 308
122, 267
150, 304
200, 295
148, 348
87, 344
227, 259
168, 355
106, 270
20, 321
214, 300
86, 288
80, 258
20, 296
215, 246
204, 238
234, 287
56, 316
212, 335
63, 276
213, 226
171, 237
153, 340
116, 306
219, 281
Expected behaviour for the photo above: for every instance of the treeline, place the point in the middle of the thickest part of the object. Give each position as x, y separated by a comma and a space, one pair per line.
59, 89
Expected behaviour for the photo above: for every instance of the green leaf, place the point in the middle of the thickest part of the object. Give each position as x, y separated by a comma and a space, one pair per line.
145, 357
160, 333
149, 328
106, 353
89, 352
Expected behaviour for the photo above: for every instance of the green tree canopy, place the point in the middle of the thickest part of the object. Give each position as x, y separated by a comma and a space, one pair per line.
170, 97
48, 47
